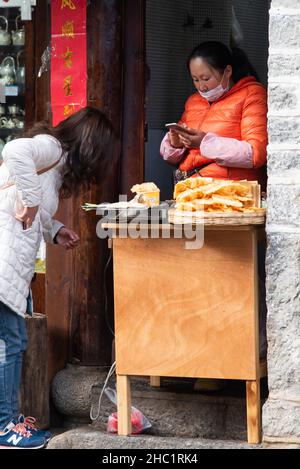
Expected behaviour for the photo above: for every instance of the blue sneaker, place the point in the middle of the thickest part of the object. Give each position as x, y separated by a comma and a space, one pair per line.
30, 424
18, 437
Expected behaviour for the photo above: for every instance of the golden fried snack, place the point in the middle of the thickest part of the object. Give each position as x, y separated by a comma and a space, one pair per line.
187, 196
242, 199
185, 206
215, 195
181, 186
199, 181
234, 189
145, 187
190, 183
219, 199
201, 204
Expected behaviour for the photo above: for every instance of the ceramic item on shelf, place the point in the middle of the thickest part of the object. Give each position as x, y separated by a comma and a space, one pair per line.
7, 80
5, 37
20, 72
7, 123
2, 143
18, 36
13, 109
7, 71
19, 123
3, 122
2, 110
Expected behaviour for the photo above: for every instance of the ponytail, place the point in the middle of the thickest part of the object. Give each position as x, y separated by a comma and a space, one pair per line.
241, 66
218, 56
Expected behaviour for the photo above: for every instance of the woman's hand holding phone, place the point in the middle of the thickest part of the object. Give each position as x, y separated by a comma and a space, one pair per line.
173, 126
191, 140
183, 136
173, 134
175, 140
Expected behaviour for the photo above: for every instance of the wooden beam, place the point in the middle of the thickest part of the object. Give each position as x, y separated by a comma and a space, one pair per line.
34, 389
124, 405
155, 381
132, 166
253, 411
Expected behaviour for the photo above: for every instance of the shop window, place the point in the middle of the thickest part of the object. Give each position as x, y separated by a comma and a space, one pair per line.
12, 75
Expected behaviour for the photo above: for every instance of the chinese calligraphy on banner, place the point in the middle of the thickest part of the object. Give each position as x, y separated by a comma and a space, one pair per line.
68, 61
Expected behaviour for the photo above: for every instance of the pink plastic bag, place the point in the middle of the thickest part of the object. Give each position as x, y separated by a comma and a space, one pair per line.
139, 422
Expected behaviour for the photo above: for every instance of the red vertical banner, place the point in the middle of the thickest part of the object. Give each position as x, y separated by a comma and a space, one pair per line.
68, 58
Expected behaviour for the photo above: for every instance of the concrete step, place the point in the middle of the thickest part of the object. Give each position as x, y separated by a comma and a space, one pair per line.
176, 410
90, 438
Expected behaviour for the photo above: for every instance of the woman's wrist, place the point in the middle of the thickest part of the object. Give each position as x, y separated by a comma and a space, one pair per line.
203, 135
169, 153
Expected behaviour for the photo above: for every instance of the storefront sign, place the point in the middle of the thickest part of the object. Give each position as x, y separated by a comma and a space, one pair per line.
68, 58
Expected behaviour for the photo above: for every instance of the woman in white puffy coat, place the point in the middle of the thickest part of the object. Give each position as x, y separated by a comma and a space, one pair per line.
36, 171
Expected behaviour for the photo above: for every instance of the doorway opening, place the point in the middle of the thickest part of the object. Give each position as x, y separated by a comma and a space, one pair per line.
173, 29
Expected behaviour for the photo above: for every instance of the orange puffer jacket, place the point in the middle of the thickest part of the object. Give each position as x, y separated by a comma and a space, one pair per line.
242, 114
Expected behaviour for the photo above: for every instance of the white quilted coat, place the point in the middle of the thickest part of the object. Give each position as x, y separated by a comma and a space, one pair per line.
22, 158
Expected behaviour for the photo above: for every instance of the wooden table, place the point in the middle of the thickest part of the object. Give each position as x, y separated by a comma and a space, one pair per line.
188, 313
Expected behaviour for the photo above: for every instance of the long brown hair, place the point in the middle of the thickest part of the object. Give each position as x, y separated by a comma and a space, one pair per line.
89, 141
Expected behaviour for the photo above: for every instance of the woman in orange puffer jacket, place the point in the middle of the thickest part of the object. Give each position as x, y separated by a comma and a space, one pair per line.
227, 118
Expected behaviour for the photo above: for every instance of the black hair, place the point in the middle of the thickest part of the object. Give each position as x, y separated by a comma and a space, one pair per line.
218, 56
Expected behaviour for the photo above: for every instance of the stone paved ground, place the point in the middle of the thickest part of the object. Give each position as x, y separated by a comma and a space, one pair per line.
88, 438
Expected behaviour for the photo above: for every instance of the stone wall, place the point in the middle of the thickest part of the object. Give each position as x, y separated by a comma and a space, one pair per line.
281, 413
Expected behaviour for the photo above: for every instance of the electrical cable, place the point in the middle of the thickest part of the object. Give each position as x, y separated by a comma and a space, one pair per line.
113, 366
109, 374
106, 295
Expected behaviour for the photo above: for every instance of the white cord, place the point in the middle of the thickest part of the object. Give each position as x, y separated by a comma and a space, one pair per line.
109, 374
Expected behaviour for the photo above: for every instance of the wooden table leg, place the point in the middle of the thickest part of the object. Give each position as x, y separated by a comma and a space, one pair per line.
253, 411
124, 405
155, 381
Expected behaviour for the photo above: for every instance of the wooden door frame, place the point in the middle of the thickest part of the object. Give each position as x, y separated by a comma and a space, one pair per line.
133, 129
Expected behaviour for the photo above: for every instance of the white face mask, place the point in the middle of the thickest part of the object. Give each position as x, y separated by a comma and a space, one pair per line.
215, 93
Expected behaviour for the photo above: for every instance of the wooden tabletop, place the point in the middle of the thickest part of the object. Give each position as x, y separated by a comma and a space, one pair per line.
165, 227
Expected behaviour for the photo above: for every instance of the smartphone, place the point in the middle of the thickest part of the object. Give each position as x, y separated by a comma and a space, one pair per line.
175, 126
